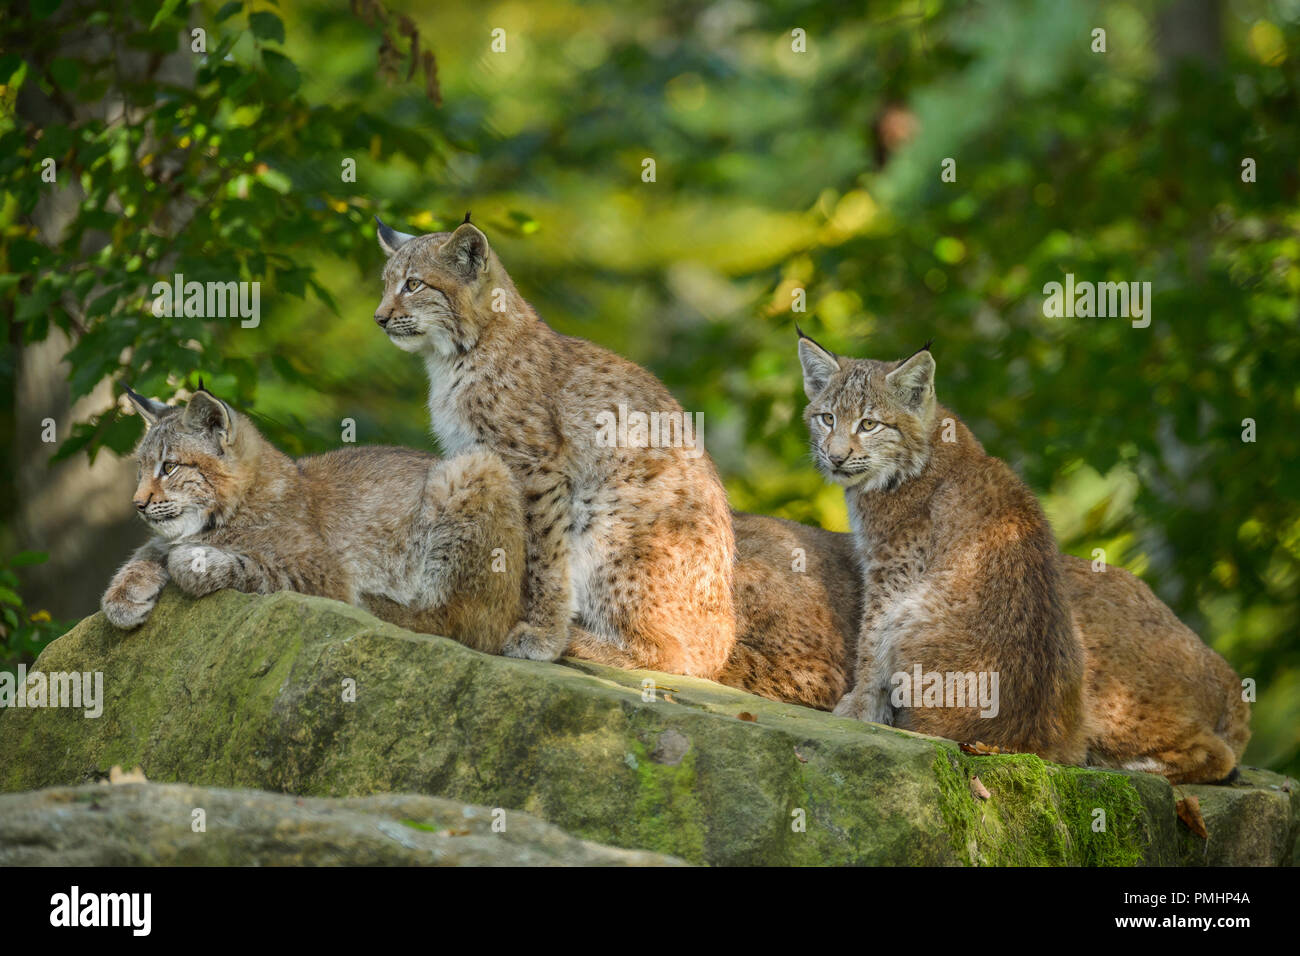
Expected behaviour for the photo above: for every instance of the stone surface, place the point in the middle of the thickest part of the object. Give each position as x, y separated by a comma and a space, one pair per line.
243, 691
150, 824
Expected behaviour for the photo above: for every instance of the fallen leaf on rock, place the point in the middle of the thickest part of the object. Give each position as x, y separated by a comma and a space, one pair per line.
977, 787
1189, 811
669, 697
746, 715
979, 747
117, 775
800, 757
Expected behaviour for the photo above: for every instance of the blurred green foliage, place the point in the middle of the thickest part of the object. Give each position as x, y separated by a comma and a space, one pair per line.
23, 632
776, 170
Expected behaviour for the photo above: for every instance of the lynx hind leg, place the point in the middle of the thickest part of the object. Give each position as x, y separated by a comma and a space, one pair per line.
472, 527
669, 593
1205, 758
586, 646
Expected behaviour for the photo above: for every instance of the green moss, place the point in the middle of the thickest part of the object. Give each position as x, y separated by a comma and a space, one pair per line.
667, 810
242, 691
1038, 814
417, 825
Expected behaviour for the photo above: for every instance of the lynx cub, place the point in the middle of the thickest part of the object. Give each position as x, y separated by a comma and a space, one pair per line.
629, 542
1158, 699
798, 606
433, 546
962, 579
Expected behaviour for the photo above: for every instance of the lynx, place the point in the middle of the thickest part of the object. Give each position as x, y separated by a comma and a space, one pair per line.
1158, 699
432, 546
629, 542
962, 586
798, 605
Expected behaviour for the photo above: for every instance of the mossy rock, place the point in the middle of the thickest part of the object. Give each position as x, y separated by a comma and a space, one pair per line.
242, 691
150, 824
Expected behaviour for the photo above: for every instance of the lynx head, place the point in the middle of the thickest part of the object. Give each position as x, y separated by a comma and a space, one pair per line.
437, 288
868, 422
191, 463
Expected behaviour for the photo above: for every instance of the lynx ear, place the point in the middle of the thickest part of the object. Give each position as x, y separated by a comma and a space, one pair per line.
466, 251
390, 240
149, 410
207, 413
913, 381
819, 365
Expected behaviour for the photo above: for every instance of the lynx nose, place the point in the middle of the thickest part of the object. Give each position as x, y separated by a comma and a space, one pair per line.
382, 319
836, 460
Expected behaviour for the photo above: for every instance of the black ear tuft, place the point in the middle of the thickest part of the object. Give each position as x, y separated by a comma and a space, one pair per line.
390, 240
466, 217
201, 388
149, 410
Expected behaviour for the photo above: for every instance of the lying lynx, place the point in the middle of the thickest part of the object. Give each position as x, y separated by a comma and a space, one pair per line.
798, 607
629, 541
961, 570
1158, 699
433, 546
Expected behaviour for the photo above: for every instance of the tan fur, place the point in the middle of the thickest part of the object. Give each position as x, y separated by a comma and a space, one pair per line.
1158, 698
396, 531
629, 550
961, 569
797, 629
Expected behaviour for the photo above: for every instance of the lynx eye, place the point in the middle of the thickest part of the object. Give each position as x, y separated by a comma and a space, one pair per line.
867, 426
169, 467
413, 285
827, 419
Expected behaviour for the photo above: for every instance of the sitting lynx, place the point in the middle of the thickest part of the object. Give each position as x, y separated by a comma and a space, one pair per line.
629, 542
962, 576
1157, 699
433, 546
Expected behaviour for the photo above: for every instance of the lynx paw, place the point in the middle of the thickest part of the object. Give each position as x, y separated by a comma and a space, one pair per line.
533, 644
849, 706
864, 705
198, 569
132, 594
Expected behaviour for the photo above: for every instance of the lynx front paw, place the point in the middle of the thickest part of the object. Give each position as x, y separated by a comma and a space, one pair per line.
132, 594
198, 569
850, 706
864, 705
533, 644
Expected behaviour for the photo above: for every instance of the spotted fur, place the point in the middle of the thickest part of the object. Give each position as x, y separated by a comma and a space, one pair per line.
961, 572
435, 546
630, 551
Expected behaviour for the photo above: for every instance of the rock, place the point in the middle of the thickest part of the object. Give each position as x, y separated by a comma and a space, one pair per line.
241, 691
1252, 822
150, 824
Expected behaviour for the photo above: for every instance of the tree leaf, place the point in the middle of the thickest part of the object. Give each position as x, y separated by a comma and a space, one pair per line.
266, 26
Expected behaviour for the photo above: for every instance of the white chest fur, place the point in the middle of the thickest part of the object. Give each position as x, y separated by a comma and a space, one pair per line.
454, 434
